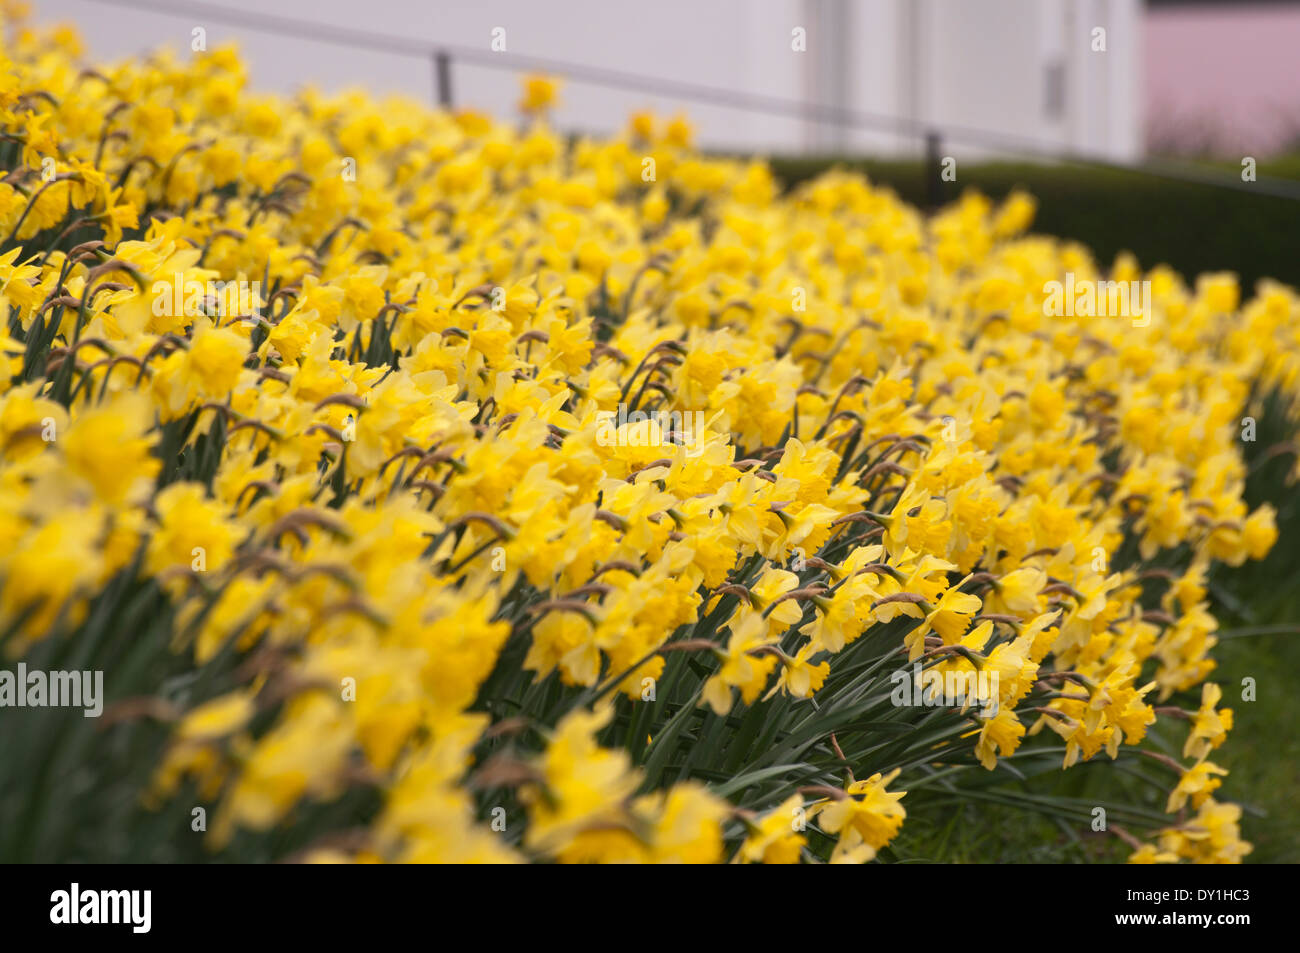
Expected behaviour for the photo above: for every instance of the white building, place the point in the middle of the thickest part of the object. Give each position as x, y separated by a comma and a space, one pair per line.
1027, 70
1034, 70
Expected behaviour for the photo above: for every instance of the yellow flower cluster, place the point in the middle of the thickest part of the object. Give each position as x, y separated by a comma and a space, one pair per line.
437, 423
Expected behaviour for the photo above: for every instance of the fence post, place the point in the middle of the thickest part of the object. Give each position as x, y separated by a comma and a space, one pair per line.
933, 171
442, 78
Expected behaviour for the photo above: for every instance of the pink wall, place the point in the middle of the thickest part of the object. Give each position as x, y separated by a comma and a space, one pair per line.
1226, 75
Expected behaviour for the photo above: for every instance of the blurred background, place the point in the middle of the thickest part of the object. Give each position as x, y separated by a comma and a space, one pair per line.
1104, 78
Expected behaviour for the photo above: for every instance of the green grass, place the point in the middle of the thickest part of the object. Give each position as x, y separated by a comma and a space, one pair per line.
1258, 606
1263, 751
982, 833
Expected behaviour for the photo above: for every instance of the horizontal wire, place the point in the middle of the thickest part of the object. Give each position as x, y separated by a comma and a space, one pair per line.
709, 95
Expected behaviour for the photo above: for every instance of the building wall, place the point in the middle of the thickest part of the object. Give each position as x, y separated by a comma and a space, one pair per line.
1027, 69
974, 63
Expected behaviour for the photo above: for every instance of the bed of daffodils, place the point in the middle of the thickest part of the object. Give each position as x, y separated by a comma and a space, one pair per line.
438, 488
